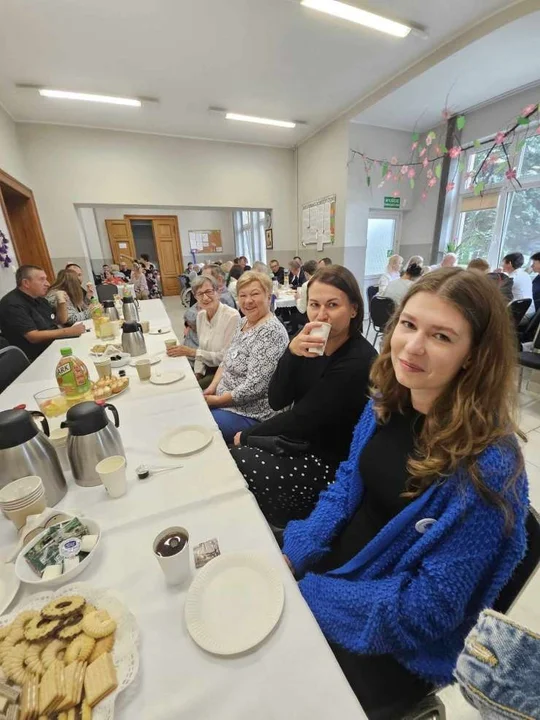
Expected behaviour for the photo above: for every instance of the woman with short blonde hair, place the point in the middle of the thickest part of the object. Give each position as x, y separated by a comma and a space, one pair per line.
392, 272
238, 394
406, 548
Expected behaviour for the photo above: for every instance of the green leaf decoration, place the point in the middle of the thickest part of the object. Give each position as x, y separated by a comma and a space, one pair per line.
521, 144
368, 180
477, 144
522, 120
432, 134
460, 122
411, 183
479, 188
384, 170
444, 149
461, 165
438, 171
415, 137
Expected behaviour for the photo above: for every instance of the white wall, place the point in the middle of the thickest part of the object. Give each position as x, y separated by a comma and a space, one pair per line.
11, 159
500, 115
77, 166
188, 219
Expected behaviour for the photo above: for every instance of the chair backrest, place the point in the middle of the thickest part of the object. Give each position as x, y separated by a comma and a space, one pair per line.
381, 310
526, 568
531, 329
371, 292
518, 308
12, 363
106, 292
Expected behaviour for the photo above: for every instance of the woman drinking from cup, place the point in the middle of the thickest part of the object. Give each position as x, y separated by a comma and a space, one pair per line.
238, 394
66, 295
216, 324
425, 522
290, 458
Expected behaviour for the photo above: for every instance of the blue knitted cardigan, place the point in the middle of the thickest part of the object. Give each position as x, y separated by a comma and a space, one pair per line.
414, 595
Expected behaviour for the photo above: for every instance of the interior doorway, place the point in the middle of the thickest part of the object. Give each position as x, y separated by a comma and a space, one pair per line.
20, 211
383, 236
155, 235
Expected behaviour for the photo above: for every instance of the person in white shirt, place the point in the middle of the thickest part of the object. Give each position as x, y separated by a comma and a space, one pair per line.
449, 261
216, 325
395, 263
512, 265
397, 289
310, 268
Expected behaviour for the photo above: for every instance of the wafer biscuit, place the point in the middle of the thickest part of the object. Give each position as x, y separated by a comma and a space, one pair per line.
100, 679
49, 694
86, 711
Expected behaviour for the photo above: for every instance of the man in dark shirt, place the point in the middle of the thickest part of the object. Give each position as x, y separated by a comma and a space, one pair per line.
27, 320
278, 273
296, 275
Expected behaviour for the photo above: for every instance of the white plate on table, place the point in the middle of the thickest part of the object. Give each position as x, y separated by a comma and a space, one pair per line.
160, 331
167, 378
9, 584
234, 603
154, 359
186, 440
124, 360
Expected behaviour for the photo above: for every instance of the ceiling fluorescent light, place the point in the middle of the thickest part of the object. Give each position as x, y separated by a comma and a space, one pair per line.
87, 97
259, 120
357, 15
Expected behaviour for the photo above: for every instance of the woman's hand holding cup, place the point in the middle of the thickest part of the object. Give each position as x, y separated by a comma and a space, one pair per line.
307, 345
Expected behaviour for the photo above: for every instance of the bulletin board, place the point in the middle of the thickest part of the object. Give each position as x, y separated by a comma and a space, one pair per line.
319, 222
205, 241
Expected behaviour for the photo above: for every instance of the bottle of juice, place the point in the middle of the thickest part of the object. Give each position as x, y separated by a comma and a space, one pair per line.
72, 376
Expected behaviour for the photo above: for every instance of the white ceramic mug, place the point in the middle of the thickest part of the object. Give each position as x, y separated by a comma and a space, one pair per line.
320, 332
176, 568
112, 473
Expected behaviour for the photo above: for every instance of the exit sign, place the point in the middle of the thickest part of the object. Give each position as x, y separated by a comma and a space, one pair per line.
392, 203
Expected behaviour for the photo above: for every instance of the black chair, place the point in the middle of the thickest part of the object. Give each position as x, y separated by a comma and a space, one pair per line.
380, 311
518, 309
12, 363
432, 708
106, 292
530, 330
371, 292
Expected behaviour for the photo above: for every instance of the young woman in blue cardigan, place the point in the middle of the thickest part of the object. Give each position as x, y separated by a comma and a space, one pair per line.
425, 521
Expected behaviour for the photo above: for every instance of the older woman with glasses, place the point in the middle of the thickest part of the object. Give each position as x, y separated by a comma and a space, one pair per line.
238, 394
216, 324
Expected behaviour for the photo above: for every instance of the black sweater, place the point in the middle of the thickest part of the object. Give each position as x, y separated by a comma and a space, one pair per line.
327, 395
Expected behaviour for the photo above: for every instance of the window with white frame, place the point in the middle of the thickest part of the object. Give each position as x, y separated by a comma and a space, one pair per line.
249, 234
505, 218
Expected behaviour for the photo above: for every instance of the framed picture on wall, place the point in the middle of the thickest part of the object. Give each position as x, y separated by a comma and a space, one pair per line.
269, 239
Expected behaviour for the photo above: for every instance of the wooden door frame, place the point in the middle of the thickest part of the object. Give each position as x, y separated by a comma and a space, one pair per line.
179, 257
20, 189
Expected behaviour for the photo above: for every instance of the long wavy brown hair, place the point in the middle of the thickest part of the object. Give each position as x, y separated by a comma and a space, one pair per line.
69, 283
479, 407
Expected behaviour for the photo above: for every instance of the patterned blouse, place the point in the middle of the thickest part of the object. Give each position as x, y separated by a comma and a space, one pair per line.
249, 364
74, 315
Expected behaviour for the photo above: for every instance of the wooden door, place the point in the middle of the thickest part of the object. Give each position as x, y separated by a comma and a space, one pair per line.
121, 240
167, 239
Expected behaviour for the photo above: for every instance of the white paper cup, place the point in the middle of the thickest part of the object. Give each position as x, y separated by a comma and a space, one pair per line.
145, 324
103, 367
144, 369
176, 567
320, 332
58, 439
112, 473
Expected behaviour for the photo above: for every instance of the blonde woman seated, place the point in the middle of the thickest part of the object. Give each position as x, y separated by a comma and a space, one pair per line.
238, 394
216, 323
66, 295
397, 289
138, 278
392, 272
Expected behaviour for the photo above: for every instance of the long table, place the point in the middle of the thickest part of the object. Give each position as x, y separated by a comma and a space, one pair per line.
293, 674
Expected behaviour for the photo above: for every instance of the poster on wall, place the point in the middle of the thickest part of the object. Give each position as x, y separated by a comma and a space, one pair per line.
205, 241
319, 222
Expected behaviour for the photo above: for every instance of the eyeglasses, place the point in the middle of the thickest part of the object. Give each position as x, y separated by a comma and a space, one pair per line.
205, 293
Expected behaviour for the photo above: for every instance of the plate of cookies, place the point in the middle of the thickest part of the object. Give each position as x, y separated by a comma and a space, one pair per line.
66, 655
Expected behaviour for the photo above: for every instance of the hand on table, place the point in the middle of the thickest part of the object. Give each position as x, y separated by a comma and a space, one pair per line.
76, 330
181, 351
300, 344
236, 440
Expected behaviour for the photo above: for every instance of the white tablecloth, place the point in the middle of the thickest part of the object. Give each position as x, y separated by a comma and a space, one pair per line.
285, 299
293, 674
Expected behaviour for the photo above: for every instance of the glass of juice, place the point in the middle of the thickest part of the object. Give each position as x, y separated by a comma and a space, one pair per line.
53, 405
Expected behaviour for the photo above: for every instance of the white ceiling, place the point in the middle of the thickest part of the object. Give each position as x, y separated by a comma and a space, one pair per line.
496, 64
271, 58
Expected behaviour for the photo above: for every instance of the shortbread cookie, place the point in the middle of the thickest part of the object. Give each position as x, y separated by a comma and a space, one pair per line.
39, 628
33, 658
79, 649
88, 608
51, 652
98, 624
4, 631
14, 664
102, 645
63, 607
86, 711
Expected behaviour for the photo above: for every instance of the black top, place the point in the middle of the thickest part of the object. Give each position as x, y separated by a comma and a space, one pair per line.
329, 394
20, 314
296, 281
279, 275
384, 476
536, 292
